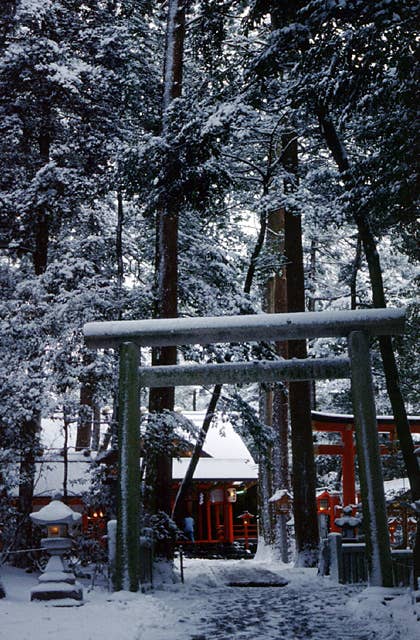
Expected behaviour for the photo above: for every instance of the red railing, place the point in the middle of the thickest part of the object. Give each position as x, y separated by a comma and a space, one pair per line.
239, 532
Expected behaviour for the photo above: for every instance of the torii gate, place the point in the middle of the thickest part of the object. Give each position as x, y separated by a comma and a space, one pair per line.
344, 425
357, 326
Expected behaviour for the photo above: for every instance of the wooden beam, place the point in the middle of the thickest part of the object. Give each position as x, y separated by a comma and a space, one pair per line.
243, 372
246, 328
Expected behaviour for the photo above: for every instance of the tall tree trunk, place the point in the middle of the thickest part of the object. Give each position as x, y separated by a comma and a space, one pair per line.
119, 245
66, 426
84, 423
96, 431
29, 447
338, 151
31, 428
303, 460
311, 304
276, 400
167, 247
42, 223
354, 272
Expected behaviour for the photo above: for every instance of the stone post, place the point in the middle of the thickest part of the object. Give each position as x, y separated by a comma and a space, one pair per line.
375, 526
128, 497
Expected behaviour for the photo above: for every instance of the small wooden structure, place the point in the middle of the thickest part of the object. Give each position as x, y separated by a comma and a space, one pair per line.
327, 503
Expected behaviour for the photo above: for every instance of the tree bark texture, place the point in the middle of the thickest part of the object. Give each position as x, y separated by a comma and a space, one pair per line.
42, 222
31, 428
167, 246
277, 412
303, 460
119, 243
84, 426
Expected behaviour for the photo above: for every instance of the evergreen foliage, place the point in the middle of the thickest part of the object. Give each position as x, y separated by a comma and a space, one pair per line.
86, 166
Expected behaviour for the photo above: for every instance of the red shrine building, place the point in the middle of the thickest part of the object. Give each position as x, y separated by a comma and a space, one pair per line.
223, 498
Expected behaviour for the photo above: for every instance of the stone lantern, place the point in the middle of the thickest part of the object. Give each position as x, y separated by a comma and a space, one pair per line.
348, 523
56, 582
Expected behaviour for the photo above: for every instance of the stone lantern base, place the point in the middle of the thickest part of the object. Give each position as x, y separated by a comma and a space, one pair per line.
57, 591
56, 583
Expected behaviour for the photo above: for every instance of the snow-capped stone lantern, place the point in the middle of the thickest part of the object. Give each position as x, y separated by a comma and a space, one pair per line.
348, 523
56, 582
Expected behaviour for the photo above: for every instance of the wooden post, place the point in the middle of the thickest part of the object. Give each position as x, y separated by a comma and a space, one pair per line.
371, 481
128, 497
217, 520
208, 517
229, 523
200, 521
348, 478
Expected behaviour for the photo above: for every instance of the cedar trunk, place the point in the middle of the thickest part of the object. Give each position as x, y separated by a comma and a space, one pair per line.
31, 428
303, 460
277, 412
167, 248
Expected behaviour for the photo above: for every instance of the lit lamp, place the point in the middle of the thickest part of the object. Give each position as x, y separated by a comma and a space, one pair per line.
246, 520
56, 583
231, 494
57, 531
324, 505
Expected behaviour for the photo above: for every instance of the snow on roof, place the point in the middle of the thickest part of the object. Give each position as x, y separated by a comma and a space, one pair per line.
217, 469
55, 512
49, 475
396, 486
230, 459
328, 416
279, 494
222, 441
50, 472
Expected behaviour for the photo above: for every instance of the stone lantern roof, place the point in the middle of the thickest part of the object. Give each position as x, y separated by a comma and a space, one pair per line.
56, 512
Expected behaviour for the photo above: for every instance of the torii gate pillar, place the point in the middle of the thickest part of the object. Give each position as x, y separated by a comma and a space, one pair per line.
128, 498
370, 471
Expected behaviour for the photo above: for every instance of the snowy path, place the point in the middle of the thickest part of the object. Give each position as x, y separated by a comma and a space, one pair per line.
289, 613
308, 608
206, 608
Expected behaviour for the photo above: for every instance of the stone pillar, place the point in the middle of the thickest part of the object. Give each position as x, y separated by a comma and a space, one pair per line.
375, 526
128, 496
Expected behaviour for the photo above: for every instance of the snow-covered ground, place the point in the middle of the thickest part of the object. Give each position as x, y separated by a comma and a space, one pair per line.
205, 607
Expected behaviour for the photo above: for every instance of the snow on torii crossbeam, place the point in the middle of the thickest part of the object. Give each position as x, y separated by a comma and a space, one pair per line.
243, 372
357, 326
165, 332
